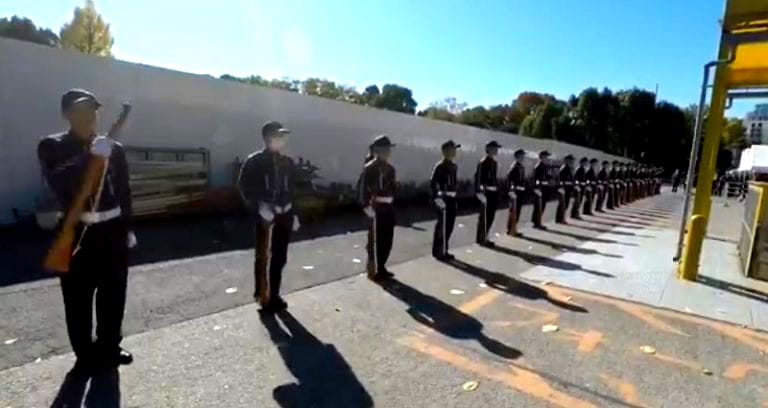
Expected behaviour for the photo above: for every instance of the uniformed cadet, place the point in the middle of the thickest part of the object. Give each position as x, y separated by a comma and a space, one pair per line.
603, 178
518, 193
487, 191
99, 265
592, 180
267, 182
581, 180
622, 182
570, 191
632, 182
542, 187
377, 198
592, 186
616, 183
444, 188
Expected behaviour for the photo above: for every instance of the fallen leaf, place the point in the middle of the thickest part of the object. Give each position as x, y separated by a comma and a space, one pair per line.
568, 298
10, 341
549, 328
482, 285
496, 234
337, 309
470, 385
461, 225
469, 251
530, 248
39, 359
231, 290
706, 371
307, 267
648, 350
546, 282
216, 327
688, 309
356, 246
457, 292
355, 260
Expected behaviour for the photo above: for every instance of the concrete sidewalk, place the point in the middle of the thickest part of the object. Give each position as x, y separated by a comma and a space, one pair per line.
465, 333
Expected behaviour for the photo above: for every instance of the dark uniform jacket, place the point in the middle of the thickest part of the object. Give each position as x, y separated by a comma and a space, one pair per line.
485, 176
602, 176
614, 175
541, 174
377, 180
591, 176
443, 182
268, 177
63, 158
580, 176
516, 177
566, 176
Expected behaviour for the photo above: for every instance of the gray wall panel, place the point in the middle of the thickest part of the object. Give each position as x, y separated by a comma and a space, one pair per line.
174, 109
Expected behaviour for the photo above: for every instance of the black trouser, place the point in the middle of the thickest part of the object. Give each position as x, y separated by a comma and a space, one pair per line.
446, 218
517, 199
609, 196
571, 197
601, 194
380, 236
271, 256
487, 214
588, 194
100, 267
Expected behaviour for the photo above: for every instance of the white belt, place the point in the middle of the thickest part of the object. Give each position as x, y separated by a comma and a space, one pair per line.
489, 188
543, 183
96, 217
519, 188
567, 183
447, 193
384, 200
284, 209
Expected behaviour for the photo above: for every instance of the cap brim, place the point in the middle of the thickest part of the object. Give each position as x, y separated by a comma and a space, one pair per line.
85, 101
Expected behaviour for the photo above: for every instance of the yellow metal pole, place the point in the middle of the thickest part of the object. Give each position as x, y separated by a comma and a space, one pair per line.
697, 224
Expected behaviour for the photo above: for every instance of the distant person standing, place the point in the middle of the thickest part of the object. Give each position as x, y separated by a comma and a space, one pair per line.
267, 182
518, 193
377, 195
444, 187
581, 180
615, 183
604, 193
487, 191
570, 191
541, 187
591, 177
675, 180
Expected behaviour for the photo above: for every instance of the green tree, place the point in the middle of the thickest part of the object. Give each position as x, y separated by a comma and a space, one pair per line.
633, 121
21, 28
734, 134
87, 32
477, 117
369, 95
596, 112
396, 98
541, 123
669, 140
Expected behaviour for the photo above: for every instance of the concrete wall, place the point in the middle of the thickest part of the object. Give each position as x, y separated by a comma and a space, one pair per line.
175, 109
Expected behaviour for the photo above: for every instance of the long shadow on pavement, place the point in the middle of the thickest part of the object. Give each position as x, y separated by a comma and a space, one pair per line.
446, 319
597, 219
609, 231
104, 390
534, 259
564, 247
512, 286
630, 219
733, 288
324, 379
588, 238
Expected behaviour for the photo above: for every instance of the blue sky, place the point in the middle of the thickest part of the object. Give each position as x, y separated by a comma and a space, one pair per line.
479, 51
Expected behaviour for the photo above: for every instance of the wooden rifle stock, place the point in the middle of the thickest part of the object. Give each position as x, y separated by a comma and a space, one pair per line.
59, 255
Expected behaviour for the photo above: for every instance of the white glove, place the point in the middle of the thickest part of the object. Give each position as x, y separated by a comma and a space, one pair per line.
369, 212
296, 223
440, 203
265, 212
132, 241
481, 197
102, 147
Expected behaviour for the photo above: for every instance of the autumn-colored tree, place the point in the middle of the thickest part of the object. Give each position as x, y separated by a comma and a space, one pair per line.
87, 32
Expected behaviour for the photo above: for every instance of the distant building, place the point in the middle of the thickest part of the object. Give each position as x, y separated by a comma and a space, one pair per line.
756, 123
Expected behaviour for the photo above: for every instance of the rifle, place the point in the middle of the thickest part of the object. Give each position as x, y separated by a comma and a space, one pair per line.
61, 251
